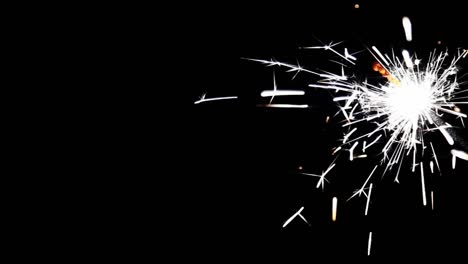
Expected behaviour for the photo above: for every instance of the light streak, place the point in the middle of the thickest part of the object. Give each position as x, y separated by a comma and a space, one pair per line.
334, 208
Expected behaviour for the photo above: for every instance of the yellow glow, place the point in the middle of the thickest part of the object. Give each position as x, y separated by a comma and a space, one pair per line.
334, 205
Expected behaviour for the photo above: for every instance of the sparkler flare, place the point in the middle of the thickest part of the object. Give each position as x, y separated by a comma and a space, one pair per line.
418, 96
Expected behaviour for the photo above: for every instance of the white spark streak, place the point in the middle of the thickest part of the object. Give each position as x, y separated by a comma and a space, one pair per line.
336, 150
347, 55
454, 161
348, 135
284, 105
368, 199
431, 164
369, 244
432, 200
352, 149
334, 207
423, 185
372, 143
268, 93
459, 154
215, 99
435, 156
446, 135
407, 59
360, 191
380, 55
294, 216
407, 27
322, 179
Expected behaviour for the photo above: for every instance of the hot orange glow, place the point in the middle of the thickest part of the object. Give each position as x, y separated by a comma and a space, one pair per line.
380, 69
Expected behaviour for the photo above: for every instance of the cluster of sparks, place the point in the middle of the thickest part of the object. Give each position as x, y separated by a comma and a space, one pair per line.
414, 101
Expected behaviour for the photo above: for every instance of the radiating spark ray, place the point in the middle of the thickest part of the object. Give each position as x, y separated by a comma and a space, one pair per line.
432, 200
407, 59
283, 105
268, 93
435, 157
431, 165
407, 27
446, 135
368, 199
351, 151
360, 191
348, 135
373, 142
215, 99
369, 244
303, 218
334, 208
293, 216
380, 55
454, 161
336, 150
423, 185
459, 154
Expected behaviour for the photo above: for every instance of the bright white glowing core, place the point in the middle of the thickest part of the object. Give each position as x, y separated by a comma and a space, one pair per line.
408, 102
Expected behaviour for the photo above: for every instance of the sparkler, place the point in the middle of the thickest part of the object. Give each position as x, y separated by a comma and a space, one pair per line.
394, 116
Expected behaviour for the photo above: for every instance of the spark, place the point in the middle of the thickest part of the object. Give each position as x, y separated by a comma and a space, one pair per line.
298, 213
407, 27
435, 156
459, 154
423, 185
432, 200
351, 150
361, 190
283, 105
454, 161
368, 199
330, 48
407, 59
272, 93
372, 143
322, 179
334, 207
336, 150
369, 244
203, 99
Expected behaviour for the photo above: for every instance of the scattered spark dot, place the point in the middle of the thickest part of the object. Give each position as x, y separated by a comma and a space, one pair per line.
356, 6
439, 42
300, 168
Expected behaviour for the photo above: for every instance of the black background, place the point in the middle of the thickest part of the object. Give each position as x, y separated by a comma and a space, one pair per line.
243, 182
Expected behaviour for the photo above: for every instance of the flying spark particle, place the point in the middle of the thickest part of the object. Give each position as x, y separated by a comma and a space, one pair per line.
202, 100
407, 27
368, 199
334, 208
432, 200
423, 185
369, 244
298, 213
